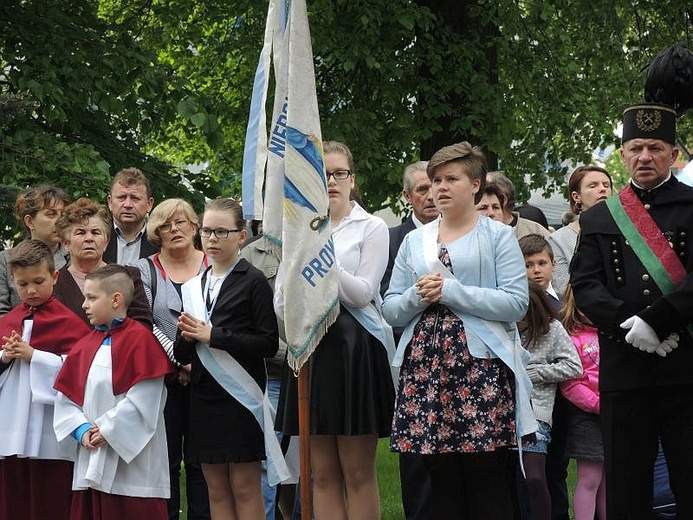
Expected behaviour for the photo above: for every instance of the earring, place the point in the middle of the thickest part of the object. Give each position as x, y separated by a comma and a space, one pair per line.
578, 206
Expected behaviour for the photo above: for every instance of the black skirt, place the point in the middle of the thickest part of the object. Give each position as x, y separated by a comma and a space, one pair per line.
584, 435
351, 389
221, 429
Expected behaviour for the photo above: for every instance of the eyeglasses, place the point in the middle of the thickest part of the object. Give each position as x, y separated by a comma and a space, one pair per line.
339, 175
220, 233
182, 225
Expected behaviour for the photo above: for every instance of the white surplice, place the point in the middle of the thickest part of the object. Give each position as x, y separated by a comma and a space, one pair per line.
135, 460
27, 402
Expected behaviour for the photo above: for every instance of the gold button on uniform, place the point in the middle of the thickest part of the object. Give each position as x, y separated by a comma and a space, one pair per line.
645, 277
646, 292
647, 206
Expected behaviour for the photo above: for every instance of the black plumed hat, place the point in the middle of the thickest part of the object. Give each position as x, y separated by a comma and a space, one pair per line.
670, 78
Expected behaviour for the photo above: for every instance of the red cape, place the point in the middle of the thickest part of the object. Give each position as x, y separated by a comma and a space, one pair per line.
136, 355
56, 328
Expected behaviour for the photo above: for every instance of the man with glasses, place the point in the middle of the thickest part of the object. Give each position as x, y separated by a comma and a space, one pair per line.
130, 201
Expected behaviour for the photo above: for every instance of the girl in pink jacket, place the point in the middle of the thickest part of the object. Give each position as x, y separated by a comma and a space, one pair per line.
584, 436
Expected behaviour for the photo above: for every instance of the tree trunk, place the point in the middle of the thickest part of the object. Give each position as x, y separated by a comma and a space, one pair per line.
462, 18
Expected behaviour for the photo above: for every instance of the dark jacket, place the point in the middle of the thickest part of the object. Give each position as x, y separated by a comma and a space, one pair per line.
611, 285
397, 234
110, 255
243, 324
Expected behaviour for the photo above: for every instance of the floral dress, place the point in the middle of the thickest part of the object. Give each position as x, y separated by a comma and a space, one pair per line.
449, 401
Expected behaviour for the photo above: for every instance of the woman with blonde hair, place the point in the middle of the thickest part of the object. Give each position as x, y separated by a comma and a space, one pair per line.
173, 227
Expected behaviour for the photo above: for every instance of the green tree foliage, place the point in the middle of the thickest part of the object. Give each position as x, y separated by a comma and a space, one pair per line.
92, 86
80, 99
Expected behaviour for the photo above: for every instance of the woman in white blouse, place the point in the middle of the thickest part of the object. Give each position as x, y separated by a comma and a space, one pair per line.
351, 389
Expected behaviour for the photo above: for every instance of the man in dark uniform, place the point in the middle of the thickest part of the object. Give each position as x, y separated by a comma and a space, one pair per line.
627, 248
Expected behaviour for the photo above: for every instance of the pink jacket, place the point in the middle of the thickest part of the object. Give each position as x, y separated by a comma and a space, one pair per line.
583, 392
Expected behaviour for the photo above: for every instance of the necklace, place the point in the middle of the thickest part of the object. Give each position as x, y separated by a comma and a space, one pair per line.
213, 281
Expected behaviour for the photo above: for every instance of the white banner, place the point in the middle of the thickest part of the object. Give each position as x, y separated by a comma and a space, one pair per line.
295, 218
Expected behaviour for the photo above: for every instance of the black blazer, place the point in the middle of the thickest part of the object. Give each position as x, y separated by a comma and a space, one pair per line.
110, 255
243, 324
611, 285
397, 234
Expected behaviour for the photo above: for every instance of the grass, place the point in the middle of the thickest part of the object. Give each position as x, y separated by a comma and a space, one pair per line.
388, 482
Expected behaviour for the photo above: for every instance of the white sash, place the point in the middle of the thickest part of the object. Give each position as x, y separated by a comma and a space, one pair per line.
524, 417
430, 250
238, 383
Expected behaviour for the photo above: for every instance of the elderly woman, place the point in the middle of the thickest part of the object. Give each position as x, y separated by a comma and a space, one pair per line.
173, 226
85, 227
587, 186
37, 210
521, 226
492, 202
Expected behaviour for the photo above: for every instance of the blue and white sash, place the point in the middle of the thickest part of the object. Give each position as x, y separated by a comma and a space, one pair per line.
238, 383
500, 342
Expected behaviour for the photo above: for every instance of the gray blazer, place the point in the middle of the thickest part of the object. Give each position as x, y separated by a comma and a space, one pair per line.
167, 304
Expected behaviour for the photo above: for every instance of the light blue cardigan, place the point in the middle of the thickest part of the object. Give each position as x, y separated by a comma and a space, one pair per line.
488, 292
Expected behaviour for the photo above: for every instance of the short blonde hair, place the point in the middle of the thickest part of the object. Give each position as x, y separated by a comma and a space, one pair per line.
163, 212
131, 177
114, 278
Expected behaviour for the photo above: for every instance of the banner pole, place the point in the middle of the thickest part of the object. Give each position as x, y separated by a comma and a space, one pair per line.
306, 484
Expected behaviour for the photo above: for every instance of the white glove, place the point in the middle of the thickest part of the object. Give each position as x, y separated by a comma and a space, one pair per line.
669, 344
640, 335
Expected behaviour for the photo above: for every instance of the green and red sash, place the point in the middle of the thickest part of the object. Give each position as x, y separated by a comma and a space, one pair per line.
647, 241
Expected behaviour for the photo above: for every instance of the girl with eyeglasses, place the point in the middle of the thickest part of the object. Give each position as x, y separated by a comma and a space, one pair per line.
351, 388
172, 226
226, 331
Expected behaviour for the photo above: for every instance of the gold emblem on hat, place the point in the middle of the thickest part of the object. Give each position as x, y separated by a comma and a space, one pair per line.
648, 121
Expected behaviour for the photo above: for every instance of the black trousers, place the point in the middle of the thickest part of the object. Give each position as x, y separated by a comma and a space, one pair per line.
416, 486
473, 486
632, 422
176, 420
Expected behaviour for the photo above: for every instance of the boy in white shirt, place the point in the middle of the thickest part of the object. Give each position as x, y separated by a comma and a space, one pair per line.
111, 400
35, 473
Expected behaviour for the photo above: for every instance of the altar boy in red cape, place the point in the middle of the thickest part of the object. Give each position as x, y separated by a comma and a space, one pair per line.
632, 275
110, 407
35, 474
